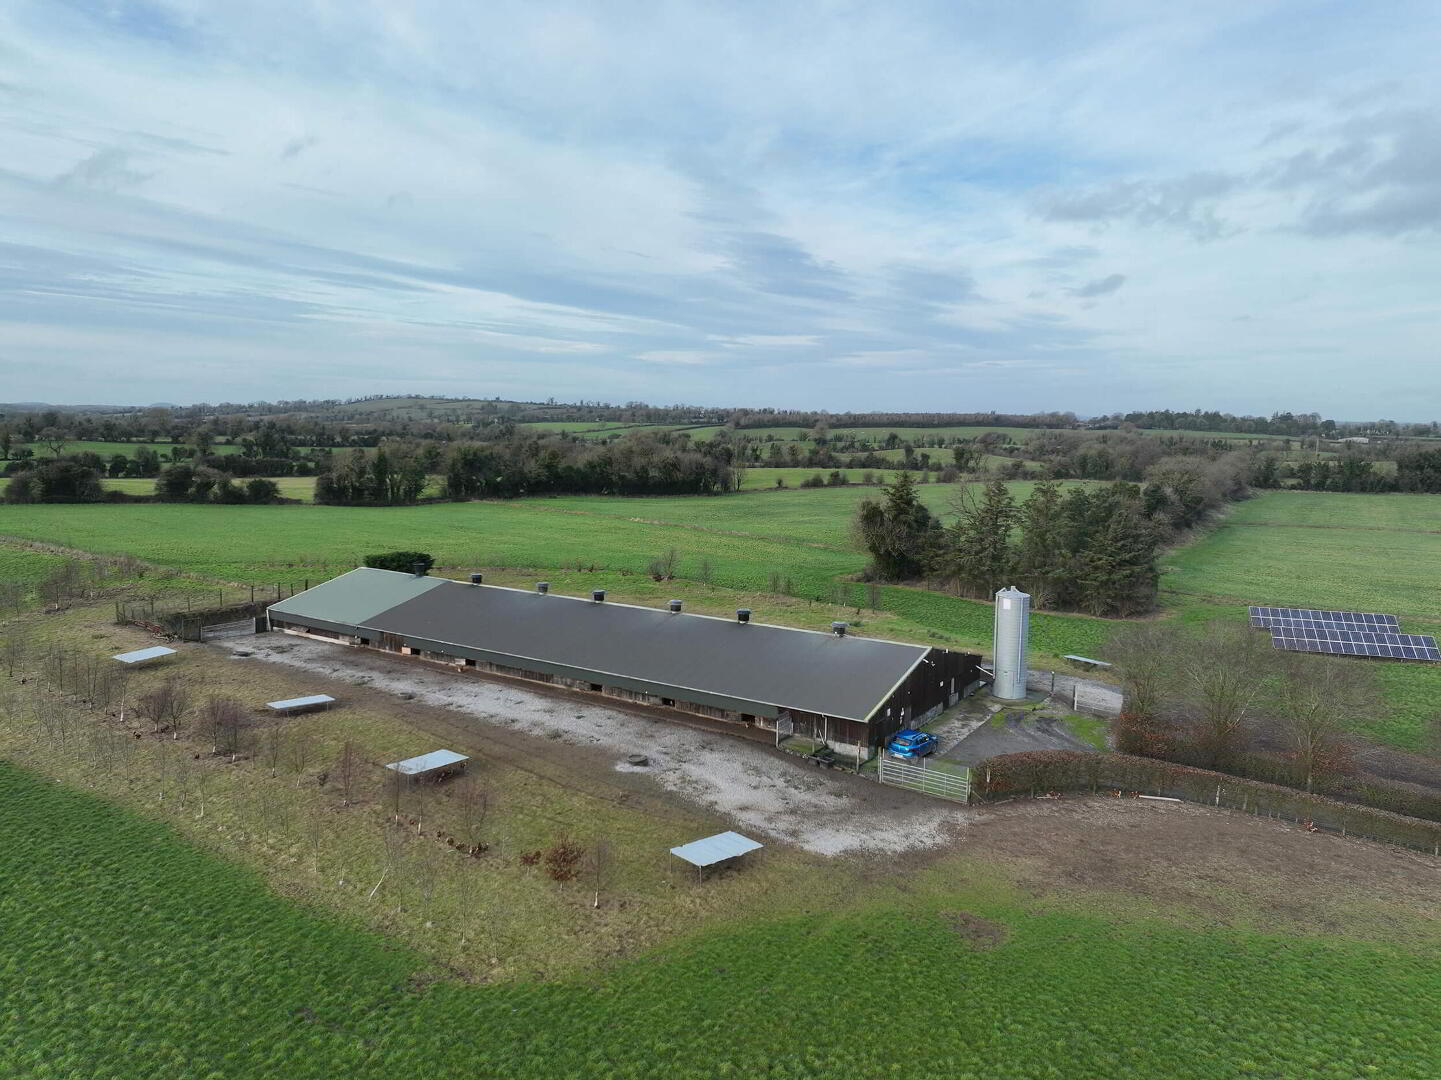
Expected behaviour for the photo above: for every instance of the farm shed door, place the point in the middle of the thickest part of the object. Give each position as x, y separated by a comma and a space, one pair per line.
390, 642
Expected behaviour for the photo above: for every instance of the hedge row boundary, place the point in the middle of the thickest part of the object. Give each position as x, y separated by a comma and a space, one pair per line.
1010, 776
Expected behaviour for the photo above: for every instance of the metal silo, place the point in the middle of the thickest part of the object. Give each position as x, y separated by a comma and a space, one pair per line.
1010, 644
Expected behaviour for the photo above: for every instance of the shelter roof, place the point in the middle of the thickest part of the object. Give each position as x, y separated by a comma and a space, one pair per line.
714, 849
436, 759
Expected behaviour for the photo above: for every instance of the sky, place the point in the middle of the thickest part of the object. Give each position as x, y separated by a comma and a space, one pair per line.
959, 206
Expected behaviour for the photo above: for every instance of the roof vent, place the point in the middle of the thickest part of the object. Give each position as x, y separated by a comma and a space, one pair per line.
598, 595
542, 587
418, 569
477, 579
675, 606
743, 615
839, 628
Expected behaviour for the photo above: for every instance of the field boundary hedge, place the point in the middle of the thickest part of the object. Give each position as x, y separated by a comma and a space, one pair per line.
1010, 776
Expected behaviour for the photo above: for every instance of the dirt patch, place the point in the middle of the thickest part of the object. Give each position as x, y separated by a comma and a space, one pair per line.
981, 934
759, 788
1222, 866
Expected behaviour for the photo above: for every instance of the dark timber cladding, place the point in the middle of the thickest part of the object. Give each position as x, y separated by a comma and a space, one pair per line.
842, 687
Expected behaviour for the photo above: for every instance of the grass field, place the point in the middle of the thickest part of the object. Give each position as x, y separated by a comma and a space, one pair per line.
1363, 552
291, 487
129, 449
250, 984
797, 539
871, 434
1376, 553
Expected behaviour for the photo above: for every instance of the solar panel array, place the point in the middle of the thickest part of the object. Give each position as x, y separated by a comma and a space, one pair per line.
1390, 646
1353, 620
1343, 633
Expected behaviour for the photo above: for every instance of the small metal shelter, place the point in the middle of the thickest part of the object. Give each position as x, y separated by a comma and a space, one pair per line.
430, 766
301, 704
141, 656
1086, 660
723, 849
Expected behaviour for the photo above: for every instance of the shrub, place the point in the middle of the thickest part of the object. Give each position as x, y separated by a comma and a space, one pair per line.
402, 561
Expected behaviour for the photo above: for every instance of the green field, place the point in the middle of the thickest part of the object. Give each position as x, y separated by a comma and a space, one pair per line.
131, 954
575, 427
1361, 552
871, 434
291, 487
129, 449
1379, 553
798, 539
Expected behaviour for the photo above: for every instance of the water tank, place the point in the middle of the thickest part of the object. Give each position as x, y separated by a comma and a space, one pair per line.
1011, 643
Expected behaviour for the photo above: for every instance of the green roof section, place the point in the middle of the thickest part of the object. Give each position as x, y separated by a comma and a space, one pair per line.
357, 596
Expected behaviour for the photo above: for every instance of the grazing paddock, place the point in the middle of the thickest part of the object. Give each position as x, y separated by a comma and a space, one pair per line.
1328, 550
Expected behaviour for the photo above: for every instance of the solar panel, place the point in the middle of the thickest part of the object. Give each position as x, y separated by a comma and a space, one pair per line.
1274, 616
1360, 643
1336, 633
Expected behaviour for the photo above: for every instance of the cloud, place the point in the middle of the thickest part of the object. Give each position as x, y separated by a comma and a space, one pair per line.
725, 206
684, 357
104, 170
1100, 287
774, 341
297, 146
1188, 203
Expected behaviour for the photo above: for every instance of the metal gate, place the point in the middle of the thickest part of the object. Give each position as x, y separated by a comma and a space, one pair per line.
238, 628
947, 783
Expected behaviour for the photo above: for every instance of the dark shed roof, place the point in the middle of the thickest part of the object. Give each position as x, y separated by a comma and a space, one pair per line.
845, 677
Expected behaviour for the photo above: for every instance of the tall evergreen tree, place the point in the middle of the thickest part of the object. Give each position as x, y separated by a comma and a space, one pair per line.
979, 554
1040, 556
1116, 571
899, 532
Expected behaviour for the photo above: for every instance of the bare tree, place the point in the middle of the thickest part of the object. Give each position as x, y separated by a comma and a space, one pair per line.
273, 746
599, 867
223, 722
347, 771
396, 842
164, 705
1315, 696
473, 807
302, 745
1145, 657
1223, 674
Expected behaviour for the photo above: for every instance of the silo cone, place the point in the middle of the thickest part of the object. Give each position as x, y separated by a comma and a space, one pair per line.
1010, 646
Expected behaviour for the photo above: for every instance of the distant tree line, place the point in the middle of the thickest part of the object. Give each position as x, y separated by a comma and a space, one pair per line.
643, 464
1416, 471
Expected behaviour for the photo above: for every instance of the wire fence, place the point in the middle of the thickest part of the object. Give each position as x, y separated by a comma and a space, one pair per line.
1042, 773
188, 616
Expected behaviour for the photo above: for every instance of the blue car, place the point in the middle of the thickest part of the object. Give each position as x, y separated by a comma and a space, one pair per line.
910, 743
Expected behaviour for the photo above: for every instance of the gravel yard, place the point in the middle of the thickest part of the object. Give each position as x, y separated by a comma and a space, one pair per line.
758, 789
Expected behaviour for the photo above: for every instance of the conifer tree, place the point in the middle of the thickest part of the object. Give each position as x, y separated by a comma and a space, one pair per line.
979, 553
899, 532
1040, 557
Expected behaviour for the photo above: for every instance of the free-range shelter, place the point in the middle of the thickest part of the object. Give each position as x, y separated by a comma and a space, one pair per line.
716, 852
833, 686
300, 704
143, 656
435, 765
